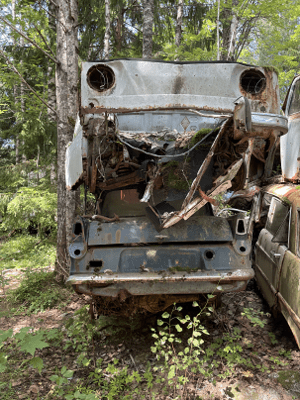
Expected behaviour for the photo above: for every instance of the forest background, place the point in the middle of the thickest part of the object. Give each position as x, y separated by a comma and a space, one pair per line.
42, 44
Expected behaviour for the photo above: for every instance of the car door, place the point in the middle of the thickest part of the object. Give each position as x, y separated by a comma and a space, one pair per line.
289, 284
290, 143
270, 249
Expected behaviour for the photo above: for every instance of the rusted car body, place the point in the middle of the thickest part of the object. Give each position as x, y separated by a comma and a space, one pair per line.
290, 143
277, 253
162, 146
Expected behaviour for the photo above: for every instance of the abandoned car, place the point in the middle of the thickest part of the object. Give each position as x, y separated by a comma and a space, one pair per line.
277, 254
163, 146
277, 251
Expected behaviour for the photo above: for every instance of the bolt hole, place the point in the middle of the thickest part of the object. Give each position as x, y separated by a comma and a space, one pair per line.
77, 252
209, 254
242, 249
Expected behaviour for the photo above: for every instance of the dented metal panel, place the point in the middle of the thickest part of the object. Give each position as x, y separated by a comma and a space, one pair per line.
75, 154
147, 85
162, 121
141, 230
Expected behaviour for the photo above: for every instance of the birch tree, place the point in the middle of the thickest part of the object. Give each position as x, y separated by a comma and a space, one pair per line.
66, 100
178, 30
107, 30
148, 19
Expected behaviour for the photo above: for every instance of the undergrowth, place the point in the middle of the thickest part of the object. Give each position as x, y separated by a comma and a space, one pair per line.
37, 292
181, 344
27, 251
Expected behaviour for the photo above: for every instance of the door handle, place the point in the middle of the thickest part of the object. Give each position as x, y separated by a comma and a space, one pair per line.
275, 255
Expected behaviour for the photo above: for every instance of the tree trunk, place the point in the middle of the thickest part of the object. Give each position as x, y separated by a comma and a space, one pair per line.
230, 23
107, 30
178, 30
66, 100
15, 89
119, 28
148, 19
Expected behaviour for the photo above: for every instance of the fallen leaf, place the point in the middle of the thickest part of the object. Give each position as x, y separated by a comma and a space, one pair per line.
34, 389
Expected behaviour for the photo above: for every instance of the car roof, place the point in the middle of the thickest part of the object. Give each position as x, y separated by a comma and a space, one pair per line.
288, 193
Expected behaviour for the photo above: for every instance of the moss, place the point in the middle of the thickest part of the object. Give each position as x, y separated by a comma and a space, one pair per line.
174, 177
170, 164
286, 200
177, 182
199, 135
288, 378
271, 68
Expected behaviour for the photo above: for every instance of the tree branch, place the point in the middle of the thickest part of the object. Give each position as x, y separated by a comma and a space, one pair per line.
51, 1
27, 38
14, 69
44, 40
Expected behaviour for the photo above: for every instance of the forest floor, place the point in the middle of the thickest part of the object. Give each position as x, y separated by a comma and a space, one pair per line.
247, 354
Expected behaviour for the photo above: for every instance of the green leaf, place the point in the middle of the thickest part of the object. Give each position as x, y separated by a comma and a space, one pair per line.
195, 304
37, 362
165, 315
22, 334
4, 335
160, 322
32, 342
210, 296
178, 328
171, 372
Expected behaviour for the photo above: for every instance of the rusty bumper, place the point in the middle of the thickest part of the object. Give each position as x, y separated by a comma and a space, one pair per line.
149, 283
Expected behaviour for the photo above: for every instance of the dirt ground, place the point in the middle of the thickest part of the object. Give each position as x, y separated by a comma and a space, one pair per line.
133, 350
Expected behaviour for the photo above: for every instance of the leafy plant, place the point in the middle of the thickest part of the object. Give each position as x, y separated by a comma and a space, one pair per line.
255, 317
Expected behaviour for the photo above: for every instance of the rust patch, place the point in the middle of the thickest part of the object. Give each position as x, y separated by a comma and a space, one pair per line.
118, 236
101, 109
109, 238
294, 116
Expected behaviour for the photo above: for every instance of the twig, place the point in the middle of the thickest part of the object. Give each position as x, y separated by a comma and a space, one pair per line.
51, 1
29, 40
14, 69
44, 40
133, 362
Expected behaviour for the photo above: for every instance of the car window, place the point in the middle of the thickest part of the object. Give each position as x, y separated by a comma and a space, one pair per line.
278, 218
295, 102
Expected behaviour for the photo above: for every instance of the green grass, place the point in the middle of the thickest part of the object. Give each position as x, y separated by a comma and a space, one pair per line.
27, 251
38, 291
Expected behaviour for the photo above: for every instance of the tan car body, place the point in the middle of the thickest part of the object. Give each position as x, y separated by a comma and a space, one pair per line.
277, 254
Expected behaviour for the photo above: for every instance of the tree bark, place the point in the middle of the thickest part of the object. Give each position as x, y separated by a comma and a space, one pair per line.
107, 30
119, 28
148, 19
66, 100
15, 90
230, 23
178, 30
